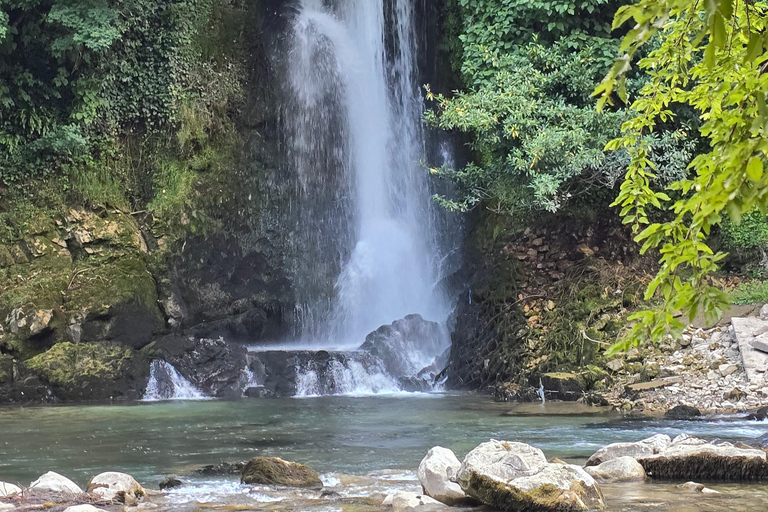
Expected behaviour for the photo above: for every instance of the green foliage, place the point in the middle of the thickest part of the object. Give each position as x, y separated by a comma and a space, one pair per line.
750, 233
711, 57
752, 292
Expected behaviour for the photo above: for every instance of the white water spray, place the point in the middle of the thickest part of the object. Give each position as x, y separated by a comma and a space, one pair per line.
165, 383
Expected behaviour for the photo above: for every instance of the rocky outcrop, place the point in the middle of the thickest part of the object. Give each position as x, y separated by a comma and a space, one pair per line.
691, 458
637, 450
117, 487
56, 483
516, 477
276, 471
621, 469
437, 472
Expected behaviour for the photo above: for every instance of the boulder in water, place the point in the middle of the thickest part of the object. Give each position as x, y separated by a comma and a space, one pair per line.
682, 412
7, 489
644, 448
54, 482
436, 473
114, 486
276, 471
407, 346
622, 469
515, 476
170, 482
691, 458
758, 414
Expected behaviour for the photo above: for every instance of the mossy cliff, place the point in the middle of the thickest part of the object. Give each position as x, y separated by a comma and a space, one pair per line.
544, 295
156, 234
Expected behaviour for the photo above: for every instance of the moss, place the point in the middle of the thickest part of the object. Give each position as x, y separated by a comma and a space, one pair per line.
276, 471
91, 370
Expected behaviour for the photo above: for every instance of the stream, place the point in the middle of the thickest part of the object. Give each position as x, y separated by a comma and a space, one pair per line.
364, 447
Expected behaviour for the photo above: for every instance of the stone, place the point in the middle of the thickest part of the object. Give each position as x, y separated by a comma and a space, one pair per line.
691, 458
513, 476
74, 333
621, 469
727, 369
615, 365
170, 482
654, 384
735, 394
7, 489
436, 473
707, 490
691, 486
84, 508
114, 486
758, 414
763, 312
759, 344
646, 447
561, 386
682, 412
753, 360
276, 471
402, 501
54, 482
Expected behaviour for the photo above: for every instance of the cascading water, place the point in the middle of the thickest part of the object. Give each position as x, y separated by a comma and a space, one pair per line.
165, 383
365, 219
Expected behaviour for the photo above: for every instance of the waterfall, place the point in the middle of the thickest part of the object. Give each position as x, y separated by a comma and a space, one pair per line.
165, 383
357, 146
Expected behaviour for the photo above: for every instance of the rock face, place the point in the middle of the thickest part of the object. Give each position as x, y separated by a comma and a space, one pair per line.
408, 346
115, 486
7, 489
436, 473
276, 471
645, 448
621, 469
691, 458
54, 482
517, 477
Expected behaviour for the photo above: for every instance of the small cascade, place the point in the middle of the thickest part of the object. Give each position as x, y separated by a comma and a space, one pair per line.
165, 383
344, 374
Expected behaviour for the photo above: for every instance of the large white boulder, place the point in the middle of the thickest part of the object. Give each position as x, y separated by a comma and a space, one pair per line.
437, 472
54, 482
115, 486
644, 448
622, 469
514, 476
7, 489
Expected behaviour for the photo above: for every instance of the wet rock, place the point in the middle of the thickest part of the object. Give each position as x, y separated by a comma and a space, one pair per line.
436, 473
515, 476
691, 458
407, 346
644, 448
276, 471
223, 468
215, 367
682, 412
561, 386
691, 486
707, 490
257, 392
170, 482
7, 489
54, 482
758, 414
622, 469
114, 486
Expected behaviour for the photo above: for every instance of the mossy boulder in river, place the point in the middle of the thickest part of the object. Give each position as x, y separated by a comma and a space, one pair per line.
92, 371
276, 471
516, 477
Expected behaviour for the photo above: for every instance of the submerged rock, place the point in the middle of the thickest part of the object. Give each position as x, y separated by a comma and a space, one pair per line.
691, 458
7, 489
622, 469
170, 482
517, 477
646, 447
436, 473
276, 471
115, 486
54, 482
682, 412
222, 468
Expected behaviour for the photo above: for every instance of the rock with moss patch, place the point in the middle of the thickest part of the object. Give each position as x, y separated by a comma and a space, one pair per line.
276, 471
92, 371
516, 477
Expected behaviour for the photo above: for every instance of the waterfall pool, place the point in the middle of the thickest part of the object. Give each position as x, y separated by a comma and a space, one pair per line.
362, 447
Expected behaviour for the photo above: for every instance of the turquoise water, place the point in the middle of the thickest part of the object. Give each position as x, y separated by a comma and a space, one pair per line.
335, 435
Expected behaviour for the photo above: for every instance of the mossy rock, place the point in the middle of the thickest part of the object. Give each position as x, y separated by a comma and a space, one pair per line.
276, 471
92, 371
